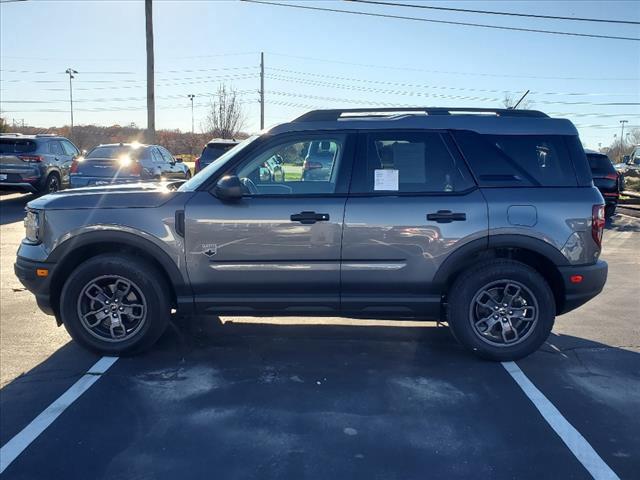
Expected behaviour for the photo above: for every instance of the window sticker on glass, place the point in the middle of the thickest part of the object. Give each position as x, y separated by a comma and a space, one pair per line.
385, 179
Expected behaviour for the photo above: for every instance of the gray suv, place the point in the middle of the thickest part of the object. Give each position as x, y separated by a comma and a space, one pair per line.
485, 219
35, 163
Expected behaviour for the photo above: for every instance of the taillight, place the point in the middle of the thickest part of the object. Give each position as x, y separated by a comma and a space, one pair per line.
136, 168
611, 176
197, 166
597, 223
31, 158
307, 165
74, 167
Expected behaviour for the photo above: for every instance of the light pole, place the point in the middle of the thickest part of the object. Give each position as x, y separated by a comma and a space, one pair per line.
622, 122
71, 72
191, 97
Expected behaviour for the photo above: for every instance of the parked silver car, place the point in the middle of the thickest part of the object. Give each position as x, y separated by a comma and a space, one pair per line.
488, 220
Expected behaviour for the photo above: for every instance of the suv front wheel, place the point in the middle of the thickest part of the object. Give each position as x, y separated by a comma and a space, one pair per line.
501, 310
115, 304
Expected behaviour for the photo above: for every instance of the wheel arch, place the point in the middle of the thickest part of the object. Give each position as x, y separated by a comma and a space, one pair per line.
537, 254
71, 253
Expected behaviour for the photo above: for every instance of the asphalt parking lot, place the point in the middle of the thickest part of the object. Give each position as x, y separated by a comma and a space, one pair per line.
337, 398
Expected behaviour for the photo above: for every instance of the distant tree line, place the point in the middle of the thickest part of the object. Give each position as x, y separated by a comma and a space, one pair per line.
88, 136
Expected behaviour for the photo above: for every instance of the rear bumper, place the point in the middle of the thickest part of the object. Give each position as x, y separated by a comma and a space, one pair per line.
18, 186
593, 279
25, 271
79, 181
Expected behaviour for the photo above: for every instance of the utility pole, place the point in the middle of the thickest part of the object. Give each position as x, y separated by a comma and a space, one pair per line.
261, 90
622, 122
71, 72
191, 97
151, 101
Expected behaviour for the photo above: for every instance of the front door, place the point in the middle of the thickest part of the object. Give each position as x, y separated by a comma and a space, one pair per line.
413, 202
276, 250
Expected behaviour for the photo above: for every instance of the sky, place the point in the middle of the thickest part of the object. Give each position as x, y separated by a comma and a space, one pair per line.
314, 59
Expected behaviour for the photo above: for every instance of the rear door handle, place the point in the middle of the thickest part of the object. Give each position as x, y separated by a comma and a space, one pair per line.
446, 216
308, 218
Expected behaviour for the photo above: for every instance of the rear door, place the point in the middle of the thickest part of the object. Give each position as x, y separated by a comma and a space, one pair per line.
412, 203
171, 167
58, 159
278, 248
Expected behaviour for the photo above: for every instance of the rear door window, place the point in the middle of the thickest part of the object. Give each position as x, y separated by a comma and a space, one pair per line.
518, 160
55, 148
409, 162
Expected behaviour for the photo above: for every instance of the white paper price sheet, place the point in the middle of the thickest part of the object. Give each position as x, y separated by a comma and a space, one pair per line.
385, 179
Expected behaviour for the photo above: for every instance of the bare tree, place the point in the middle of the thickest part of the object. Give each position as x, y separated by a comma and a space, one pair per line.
226, 117
4, 126
510, 101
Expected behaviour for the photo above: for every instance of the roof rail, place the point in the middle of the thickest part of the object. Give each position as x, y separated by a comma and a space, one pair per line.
46, 135
335, 114
7, 134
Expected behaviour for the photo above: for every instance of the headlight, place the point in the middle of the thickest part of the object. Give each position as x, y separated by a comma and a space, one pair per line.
32, 226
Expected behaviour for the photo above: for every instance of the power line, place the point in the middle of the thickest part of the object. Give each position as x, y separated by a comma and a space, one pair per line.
405, 84
447, 22
449, 72
491, 12
414, 93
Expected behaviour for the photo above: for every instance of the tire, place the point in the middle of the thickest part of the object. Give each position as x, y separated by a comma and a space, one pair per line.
51, 184
472, 303
143, 313
609, 211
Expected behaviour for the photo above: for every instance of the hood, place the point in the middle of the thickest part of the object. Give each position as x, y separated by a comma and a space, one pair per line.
125, 195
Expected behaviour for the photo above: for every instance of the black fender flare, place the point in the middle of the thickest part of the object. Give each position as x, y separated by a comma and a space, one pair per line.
181, 287
471, 251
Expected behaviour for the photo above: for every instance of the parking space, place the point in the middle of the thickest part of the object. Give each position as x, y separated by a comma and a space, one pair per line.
301, 398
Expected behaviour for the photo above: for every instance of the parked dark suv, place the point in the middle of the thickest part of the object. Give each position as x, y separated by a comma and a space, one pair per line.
214, 150
485, 219
35, 163
126, 163
606, 179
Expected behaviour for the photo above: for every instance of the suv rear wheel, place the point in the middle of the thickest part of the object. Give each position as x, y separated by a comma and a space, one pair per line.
115, 304
501, 310
51, 184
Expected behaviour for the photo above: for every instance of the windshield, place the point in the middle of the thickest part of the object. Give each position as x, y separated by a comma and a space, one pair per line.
600, 164
199, 178
114, 151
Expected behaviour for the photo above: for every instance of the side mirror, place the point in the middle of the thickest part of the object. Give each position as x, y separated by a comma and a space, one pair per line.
83, 153
178, 160
228, 187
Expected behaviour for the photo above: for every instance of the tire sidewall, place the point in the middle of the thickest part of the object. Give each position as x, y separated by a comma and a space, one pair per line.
144, 275
464, 290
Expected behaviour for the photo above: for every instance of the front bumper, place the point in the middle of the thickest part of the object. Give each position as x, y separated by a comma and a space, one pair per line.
593, 279
26, 272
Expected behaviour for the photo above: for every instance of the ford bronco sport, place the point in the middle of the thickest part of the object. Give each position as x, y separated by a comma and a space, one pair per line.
485, 219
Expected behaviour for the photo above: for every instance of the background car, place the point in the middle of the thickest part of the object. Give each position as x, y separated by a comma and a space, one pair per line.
212, 150
631, 164
126, 162
606, 179
35, 163
318, 164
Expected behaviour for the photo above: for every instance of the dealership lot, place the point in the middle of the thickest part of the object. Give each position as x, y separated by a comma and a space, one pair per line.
300, 398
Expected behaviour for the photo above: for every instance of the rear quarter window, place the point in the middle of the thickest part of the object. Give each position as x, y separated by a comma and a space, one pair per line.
518, 160
9, 146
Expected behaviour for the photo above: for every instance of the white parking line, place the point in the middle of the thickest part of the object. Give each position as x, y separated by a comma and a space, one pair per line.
14, 447
578, 445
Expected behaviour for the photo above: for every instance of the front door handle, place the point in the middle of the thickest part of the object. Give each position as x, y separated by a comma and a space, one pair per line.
308, 218
446, 216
